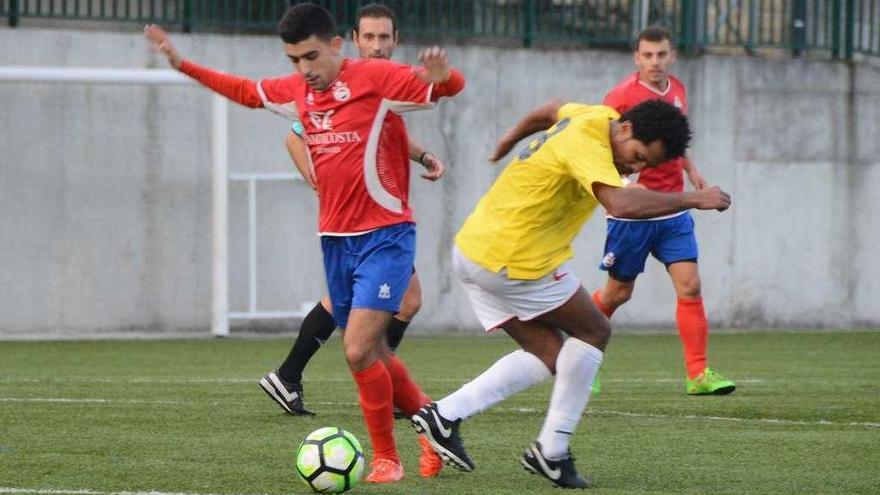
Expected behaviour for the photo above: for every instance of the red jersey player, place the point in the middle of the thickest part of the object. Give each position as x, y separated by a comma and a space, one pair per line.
671, 238
361, 165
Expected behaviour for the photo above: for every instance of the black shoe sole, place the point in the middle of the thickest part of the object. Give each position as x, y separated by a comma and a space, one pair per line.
450, 459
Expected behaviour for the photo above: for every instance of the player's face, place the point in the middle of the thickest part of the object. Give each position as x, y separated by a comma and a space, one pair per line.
375, 37
631, 155
318, 61
653, 59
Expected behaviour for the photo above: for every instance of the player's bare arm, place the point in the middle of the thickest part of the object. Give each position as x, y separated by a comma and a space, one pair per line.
162, 44
299, 153
434, 168
539, 119
694, 175
627, 202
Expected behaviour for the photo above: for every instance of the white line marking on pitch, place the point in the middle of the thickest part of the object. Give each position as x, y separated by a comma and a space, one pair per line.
592, 412
220, 381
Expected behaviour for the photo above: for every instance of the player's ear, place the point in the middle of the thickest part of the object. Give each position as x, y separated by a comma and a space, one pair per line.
354, 35
336, 44
672, 54
624, 130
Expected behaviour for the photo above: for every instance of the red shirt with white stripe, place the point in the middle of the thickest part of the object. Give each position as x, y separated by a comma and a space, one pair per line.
666, 177
357, 141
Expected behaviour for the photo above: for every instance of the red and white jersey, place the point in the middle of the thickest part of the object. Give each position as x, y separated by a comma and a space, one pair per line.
357, 141
358, 145
668, 176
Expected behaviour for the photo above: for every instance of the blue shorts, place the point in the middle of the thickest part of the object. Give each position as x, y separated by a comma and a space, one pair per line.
628, 243
369, 271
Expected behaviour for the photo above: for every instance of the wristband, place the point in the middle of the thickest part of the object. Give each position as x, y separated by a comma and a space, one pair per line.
298, 128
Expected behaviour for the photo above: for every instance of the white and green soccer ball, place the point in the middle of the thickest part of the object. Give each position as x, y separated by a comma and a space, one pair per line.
330, 460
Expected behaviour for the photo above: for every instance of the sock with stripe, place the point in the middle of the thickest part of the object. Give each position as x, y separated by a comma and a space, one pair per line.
315, 329
576, 368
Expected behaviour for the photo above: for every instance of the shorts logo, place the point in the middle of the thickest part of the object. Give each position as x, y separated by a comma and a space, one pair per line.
608, 260
384, 291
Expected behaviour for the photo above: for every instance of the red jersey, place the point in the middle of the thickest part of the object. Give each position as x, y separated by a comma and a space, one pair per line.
666, 177
358, 143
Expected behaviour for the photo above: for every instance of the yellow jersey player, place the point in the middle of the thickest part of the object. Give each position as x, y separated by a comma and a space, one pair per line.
510, 257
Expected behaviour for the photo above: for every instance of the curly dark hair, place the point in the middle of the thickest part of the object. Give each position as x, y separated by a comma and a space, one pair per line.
375, 11
304, 20
655, 119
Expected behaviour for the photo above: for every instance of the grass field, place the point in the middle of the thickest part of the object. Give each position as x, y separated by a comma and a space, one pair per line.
188, 417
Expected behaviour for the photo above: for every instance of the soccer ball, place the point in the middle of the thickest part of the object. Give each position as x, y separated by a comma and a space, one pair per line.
330, 460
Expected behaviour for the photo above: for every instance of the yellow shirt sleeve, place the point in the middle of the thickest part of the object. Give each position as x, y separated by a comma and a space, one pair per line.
587, 160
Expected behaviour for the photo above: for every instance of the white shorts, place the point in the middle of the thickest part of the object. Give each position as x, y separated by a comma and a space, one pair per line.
497, 299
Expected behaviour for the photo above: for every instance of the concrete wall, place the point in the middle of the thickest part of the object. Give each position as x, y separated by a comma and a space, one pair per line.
105, 191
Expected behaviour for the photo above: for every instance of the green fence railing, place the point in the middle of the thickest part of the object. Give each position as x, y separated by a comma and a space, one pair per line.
842, 27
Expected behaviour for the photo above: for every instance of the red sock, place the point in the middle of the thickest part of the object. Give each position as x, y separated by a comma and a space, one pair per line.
408, 397
597, 300
374, 385
693, 329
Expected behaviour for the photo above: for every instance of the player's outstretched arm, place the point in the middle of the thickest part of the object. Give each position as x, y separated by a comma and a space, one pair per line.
434, 168
628, 202
302, 159
539, 119
238, 89
161, 43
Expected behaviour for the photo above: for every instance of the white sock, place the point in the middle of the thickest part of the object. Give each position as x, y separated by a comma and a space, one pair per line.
576, 368
512, 373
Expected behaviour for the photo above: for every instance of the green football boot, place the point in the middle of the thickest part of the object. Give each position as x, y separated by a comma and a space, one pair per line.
597, 383
709, 383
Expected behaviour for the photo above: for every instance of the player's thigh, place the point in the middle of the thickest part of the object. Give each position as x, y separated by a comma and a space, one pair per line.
627, 245
538, 338
580, 319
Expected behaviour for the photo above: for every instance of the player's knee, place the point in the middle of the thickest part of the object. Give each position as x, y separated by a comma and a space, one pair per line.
690, 289
617, 297
358, 355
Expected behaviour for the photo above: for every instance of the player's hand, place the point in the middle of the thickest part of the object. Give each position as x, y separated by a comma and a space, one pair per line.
162, 44
712, 198
437, 69
697, 180
434, 168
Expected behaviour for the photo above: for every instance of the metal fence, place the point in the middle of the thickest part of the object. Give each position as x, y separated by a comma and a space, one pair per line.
842, 27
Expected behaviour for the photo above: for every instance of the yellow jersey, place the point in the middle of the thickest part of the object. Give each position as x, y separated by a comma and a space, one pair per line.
536, 207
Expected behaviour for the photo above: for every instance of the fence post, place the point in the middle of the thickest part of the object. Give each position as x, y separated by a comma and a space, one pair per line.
13, 13
849, 30
798, 27
528, 14
688, 20
187, 16
835, 30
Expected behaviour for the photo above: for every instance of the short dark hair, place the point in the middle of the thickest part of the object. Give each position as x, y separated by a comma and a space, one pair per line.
375, 11
655, 119
304, 20
653, 33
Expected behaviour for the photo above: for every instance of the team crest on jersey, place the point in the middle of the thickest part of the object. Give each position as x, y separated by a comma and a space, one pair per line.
341, 91
608, 260
384, 291
310, 98
677, 103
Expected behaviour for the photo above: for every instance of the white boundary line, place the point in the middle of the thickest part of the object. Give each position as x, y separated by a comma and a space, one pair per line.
590, 412
220, 381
